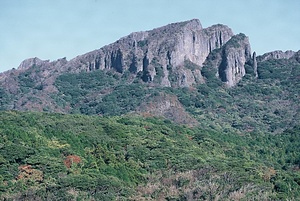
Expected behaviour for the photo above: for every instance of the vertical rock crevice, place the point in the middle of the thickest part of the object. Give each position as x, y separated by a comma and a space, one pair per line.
117, 61
134, 65
146, 74
254, 64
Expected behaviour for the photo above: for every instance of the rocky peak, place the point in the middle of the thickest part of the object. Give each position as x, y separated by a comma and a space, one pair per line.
43, 64
218, 35
278, 54
230, 59
158, 53
31, 62
193, 24
236, 53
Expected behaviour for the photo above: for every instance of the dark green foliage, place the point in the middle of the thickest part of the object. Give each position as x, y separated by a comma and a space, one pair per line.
75, 87
25, 80
249, 69
274, 69
15, 152
123, 99
99, 93
4, 99
142, 43
235, 40
190, 65
158, 70
29, 79
208, 72
267, 104
120, 155
2, 94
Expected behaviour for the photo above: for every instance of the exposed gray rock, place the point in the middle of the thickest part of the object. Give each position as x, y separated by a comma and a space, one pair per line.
232, 58
166, 47
297, 56
37, 77
255, 64
168, 106
278, 54
31, 62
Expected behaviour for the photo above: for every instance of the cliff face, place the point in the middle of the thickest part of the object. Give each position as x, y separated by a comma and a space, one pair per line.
235, 54
129, 76
229, 61
169, 56
157, 52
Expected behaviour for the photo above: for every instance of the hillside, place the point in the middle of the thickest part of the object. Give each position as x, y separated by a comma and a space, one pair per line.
180, 112
266, 101
74, 157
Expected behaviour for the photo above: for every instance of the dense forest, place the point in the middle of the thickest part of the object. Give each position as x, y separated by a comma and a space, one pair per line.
47, 156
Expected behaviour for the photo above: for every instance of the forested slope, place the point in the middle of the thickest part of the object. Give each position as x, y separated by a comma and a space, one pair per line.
64, 157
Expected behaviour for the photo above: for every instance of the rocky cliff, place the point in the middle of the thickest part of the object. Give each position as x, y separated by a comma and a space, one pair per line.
278, 54
157, 52
229, 61
168, 56
172, 55
177, 71
235, 54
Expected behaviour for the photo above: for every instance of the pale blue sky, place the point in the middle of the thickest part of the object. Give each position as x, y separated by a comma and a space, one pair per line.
52, 29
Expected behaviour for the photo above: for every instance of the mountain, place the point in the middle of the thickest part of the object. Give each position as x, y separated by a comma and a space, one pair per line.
159, 53
172, 55
209, 72
156, 56
180, 112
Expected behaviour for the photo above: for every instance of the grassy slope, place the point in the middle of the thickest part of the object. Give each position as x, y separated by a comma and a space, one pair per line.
133, 157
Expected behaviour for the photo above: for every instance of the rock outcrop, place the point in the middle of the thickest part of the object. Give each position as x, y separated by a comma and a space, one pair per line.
235, 54
229, 61
278, 54
254, 64
157, 52
32, 62
42, 64
168, 106
297, 56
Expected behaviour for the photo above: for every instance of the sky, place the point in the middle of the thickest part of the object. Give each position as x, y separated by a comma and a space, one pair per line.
53, 29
